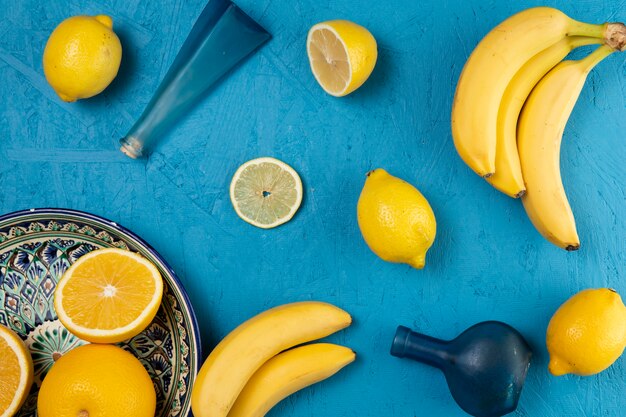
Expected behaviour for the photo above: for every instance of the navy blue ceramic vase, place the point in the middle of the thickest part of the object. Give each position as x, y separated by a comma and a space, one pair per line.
485, 366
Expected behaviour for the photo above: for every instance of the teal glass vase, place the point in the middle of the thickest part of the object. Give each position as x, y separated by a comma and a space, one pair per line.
221, 38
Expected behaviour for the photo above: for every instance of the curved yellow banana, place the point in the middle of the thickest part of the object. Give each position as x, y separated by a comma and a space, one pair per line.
287, 373
245, 349
508, 176
540, 131
489, 70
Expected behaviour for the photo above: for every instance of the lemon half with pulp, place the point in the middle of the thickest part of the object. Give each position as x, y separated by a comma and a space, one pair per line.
266, 192
16, 372
108, 295
342, 55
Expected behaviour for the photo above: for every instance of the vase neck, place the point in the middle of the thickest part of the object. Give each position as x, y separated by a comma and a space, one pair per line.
419, 347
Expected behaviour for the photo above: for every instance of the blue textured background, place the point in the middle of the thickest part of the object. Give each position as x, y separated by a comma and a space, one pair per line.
488, 262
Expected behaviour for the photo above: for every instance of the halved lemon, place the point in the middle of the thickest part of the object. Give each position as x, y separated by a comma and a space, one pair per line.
266, 192
108, 295
342, 55
16, 372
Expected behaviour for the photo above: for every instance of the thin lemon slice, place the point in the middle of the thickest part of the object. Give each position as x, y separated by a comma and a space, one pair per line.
108, 295
266, 192
16, 372
342, 55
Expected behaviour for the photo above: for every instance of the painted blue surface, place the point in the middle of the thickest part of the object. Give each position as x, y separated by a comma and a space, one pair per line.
488, 262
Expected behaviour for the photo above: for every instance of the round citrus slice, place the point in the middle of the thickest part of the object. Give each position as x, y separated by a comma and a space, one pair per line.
108, 295
16, 372
266, 192
342, 55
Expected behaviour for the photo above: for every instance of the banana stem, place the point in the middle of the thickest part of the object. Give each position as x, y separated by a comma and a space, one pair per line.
595, 57
613, 34
577, 28
578, 41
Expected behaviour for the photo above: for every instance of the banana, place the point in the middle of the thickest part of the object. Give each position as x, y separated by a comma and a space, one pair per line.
540, 131
287, 373
245, 349
508, 176
489, 70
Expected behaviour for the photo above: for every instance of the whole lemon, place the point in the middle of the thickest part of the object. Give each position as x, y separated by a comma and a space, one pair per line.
587, 333
82, 57
97, 381
396, 220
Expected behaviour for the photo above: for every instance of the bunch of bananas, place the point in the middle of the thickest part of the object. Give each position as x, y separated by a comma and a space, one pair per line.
246, 374
512, 103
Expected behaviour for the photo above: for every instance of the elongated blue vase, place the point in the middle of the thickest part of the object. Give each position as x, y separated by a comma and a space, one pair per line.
222, 37
485, 366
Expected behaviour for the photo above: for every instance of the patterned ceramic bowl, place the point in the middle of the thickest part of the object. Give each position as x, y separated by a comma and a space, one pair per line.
36, 247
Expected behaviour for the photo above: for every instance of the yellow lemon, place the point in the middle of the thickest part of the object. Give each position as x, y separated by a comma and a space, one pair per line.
396, 220
16, 372
108, 295
82, 57
97, 381
342, 55
587, 333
